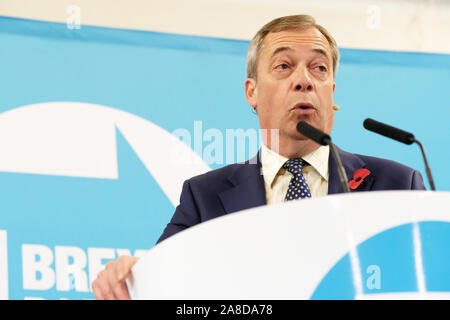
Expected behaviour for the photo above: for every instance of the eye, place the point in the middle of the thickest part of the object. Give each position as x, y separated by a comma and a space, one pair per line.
282, 66
321, 68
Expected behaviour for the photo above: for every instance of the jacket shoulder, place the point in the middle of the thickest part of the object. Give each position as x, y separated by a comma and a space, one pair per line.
385, 164
228, 174
391, 174
217, 175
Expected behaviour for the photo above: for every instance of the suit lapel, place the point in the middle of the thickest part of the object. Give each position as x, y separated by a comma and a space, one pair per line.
247, 189
351, 163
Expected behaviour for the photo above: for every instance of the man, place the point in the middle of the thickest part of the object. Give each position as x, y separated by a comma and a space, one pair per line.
291, 66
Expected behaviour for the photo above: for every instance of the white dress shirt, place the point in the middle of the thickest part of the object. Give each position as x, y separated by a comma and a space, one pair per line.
276, 178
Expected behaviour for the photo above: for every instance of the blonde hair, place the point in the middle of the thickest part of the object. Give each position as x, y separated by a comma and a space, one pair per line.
295, 22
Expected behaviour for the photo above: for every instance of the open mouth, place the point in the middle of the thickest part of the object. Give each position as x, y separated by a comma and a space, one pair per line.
304, 106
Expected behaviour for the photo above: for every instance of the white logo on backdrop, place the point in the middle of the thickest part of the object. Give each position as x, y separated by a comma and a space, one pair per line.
78, 139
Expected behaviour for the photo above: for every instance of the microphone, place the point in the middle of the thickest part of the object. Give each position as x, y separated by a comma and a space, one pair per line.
401, 136
313, 133
388, 131
324, 139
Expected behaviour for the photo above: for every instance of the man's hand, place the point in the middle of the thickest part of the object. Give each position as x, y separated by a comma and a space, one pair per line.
110, 283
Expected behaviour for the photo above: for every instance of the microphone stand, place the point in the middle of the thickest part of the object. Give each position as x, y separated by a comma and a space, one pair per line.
427, 167
342, 175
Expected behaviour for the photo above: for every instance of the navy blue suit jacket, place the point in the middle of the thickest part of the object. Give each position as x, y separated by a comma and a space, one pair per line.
241, 186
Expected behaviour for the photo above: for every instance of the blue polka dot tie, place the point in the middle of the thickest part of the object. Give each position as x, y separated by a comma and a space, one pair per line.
298, 188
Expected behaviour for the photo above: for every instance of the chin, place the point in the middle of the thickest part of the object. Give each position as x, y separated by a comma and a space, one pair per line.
297, 136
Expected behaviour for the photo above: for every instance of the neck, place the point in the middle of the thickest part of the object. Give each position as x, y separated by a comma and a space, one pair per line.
290, 148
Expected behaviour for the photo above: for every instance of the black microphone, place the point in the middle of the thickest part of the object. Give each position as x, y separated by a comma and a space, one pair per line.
388, 131
313, 133
324, 139
401, 136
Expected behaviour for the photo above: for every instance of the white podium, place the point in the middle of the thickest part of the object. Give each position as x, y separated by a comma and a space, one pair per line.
387, 245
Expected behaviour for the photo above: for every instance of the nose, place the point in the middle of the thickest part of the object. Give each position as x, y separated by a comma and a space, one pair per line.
302, 80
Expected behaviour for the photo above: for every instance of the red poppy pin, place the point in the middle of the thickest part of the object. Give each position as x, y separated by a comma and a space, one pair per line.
358, 178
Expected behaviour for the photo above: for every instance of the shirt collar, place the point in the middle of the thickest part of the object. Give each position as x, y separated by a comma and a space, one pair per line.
318, 159
272, 162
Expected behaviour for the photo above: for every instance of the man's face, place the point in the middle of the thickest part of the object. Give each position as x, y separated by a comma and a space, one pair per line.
294, 83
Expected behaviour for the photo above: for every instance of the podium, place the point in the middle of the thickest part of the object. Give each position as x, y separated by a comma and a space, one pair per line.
373, 245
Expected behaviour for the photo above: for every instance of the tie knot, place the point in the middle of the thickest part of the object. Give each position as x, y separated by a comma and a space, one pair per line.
294, 166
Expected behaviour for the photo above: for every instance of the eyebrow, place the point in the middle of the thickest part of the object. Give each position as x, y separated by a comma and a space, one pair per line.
316, 50
322, 52
281, 49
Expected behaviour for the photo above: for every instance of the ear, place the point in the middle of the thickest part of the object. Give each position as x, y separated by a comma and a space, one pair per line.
251, 92
334, 86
